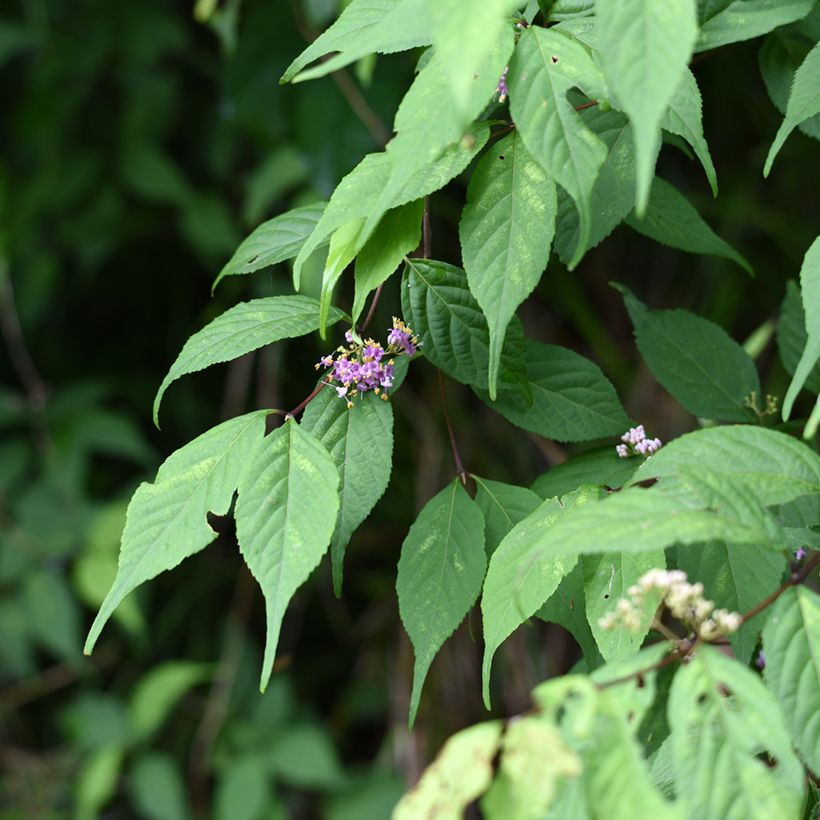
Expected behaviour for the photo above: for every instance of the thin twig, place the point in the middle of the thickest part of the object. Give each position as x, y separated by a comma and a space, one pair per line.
373, 303
668, 659
306, 401
795, 579
462, 473
426, 239
586, 105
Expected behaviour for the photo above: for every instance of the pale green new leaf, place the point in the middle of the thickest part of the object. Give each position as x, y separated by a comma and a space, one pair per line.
462, 34
774, 466
273, 241
545, 66
572, 400
735, 577
245, 327
745, 19
723, 720
440, 573
684, 117
672, 220
364, 27
344, 245
791, 640
804, 102
168, 520
791, 336
285, 517
810, 290
360, 442
606, 580
506, 230
695, 360
645, 46
356, 195
503, 506
397, 234
461, 772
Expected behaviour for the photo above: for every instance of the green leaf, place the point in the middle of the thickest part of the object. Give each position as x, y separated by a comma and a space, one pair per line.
364, 27
503, 506
791, 335
285, 518
344, 245
360, 442
441, 570
707, 9
572, 400
463, 33
613, 194
304, 756
804, 102
96, 782
645, 46
273, 241
723, 719
791, 640
355, 195
545, 66
695, 360
461, 772
245, 327
397, 234
810, 290
167, 520
506, 231
735, 578
438, 305
601, 466
52, 614
567, 607
606, 580
156, 787
159, 692
745, 19
684, 117
570, 9
671, 220
774, 466
242, 790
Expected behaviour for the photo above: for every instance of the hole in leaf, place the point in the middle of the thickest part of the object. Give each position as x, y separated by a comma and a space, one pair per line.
501, 156
606, 595
640, 682
553, 59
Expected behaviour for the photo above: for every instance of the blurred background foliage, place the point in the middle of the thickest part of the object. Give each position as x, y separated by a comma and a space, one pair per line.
140, 142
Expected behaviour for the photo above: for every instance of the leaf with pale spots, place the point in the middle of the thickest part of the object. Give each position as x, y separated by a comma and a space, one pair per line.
441, 570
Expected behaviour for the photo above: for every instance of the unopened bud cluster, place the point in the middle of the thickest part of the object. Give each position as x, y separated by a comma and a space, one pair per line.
684, 601
362, 366
502, 89
635, 442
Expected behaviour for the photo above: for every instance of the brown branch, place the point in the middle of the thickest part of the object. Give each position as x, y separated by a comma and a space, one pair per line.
306, 401
462, 473
795, 579
375, 301
672, 657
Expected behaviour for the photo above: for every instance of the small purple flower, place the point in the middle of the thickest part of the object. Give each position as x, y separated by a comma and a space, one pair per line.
760, 661
401, 338
622, 450
502, 90
349, 336
800, 554
635, 442
341, 392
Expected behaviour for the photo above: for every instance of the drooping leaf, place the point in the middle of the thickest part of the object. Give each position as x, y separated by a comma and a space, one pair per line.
606, 580
545, 66
804, 102
156, 787
735, 578
461, 772
723, 719
462, 34
355, 196
746, 19
810, 291
572, 400
506, 231
360, 441
791, 641
167, 520
364, 27
440, 573
503, 506
791, 336
707, 9
672, 220
241, 329
285, 517
438, 305
273, 241
775, 467
645, 47
600, 466
695, 360
684, 117
397, 234
243, 789
570, 9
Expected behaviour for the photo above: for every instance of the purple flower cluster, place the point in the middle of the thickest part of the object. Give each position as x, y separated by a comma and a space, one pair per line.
502, 85
361, 366
635, 442
799, 554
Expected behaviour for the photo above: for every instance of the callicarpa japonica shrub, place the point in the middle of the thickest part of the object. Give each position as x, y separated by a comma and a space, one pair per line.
686, 570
